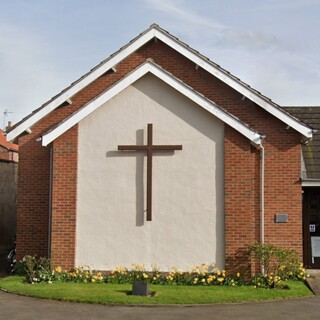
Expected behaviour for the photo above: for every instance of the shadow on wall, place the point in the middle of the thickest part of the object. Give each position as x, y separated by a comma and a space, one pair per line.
140, 192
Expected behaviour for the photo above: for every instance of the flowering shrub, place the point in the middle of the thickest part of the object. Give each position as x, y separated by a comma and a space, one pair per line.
33, 268
265, 280
278, 264
297, 273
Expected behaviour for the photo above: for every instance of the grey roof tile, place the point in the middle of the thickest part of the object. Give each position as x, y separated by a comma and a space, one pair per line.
311, 152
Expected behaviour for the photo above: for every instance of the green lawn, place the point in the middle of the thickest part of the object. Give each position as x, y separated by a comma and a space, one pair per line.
165, 294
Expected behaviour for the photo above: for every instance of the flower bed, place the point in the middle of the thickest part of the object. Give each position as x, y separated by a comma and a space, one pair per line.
198, 275
38, 270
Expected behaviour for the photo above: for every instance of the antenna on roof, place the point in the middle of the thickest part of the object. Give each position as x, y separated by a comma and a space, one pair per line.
6, 113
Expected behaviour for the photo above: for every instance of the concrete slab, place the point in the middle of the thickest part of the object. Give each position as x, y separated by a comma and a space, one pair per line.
314, 281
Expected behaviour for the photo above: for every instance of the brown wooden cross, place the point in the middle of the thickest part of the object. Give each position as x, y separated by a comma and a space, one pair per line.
150, 148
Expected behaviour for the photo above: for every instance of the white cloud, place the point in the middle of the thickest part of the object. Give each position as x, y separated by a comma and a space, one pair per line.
289, 5
276, 62
221, 34
175, 8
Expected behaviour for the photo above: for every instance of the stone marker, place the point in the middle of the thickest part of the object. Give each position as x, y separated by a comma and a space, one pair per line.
140, 288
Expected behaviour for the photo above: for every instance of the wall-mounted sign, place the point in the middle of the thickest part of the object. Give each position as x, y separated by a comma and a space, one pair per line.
315, 246
312, 228
281, 218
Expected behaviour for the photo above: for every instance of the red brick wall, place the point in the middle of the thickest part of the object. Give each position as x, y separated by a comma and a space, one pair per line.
283, 190
242, 195
282, 148
64, 191
34, 186
33, 198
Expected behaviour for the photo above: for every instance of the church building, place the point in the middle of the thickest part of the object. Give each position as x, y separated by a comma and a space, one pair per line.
160, 155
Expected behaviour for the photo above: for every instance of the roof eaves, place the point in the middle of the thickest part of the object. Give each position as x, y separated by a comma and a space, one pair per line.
295, 111
237, 84
310, 183
167, 77
79, 84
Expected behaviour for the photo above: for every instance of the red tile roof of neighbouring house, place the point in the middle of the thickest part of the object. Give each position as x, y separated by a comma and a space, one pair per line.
8, 150
7, 145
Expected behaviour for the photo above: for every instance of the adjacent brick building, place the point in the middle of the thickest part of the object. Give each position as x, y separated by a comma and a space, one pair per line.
81, 201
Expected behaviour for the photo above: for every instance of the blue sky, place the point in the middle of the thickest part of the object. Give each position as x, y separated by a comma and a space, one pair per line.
273, 45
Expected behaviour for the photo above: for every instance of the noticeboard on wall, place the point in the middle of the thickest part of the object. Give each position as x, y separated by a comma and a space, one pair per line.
315, 246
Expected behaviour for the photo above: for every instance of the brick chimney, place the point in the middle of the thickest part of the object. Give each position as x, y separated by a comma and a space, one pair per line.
9, 125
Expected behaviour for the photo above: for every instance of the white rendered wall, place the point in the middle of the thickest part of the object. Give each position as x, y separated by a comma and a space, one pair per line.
187, 226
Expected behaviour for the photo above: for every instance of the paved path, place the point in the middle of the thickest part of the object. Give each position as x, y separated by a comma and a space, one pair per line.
16, 307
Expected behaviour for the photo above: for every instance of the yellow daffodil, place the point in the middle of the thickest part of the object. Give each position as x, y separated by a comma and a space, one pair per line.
58, 269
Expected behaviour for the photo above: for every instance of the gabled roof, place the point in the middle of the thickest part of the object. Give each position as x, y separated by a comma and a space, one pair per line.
151, 67
156, 32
